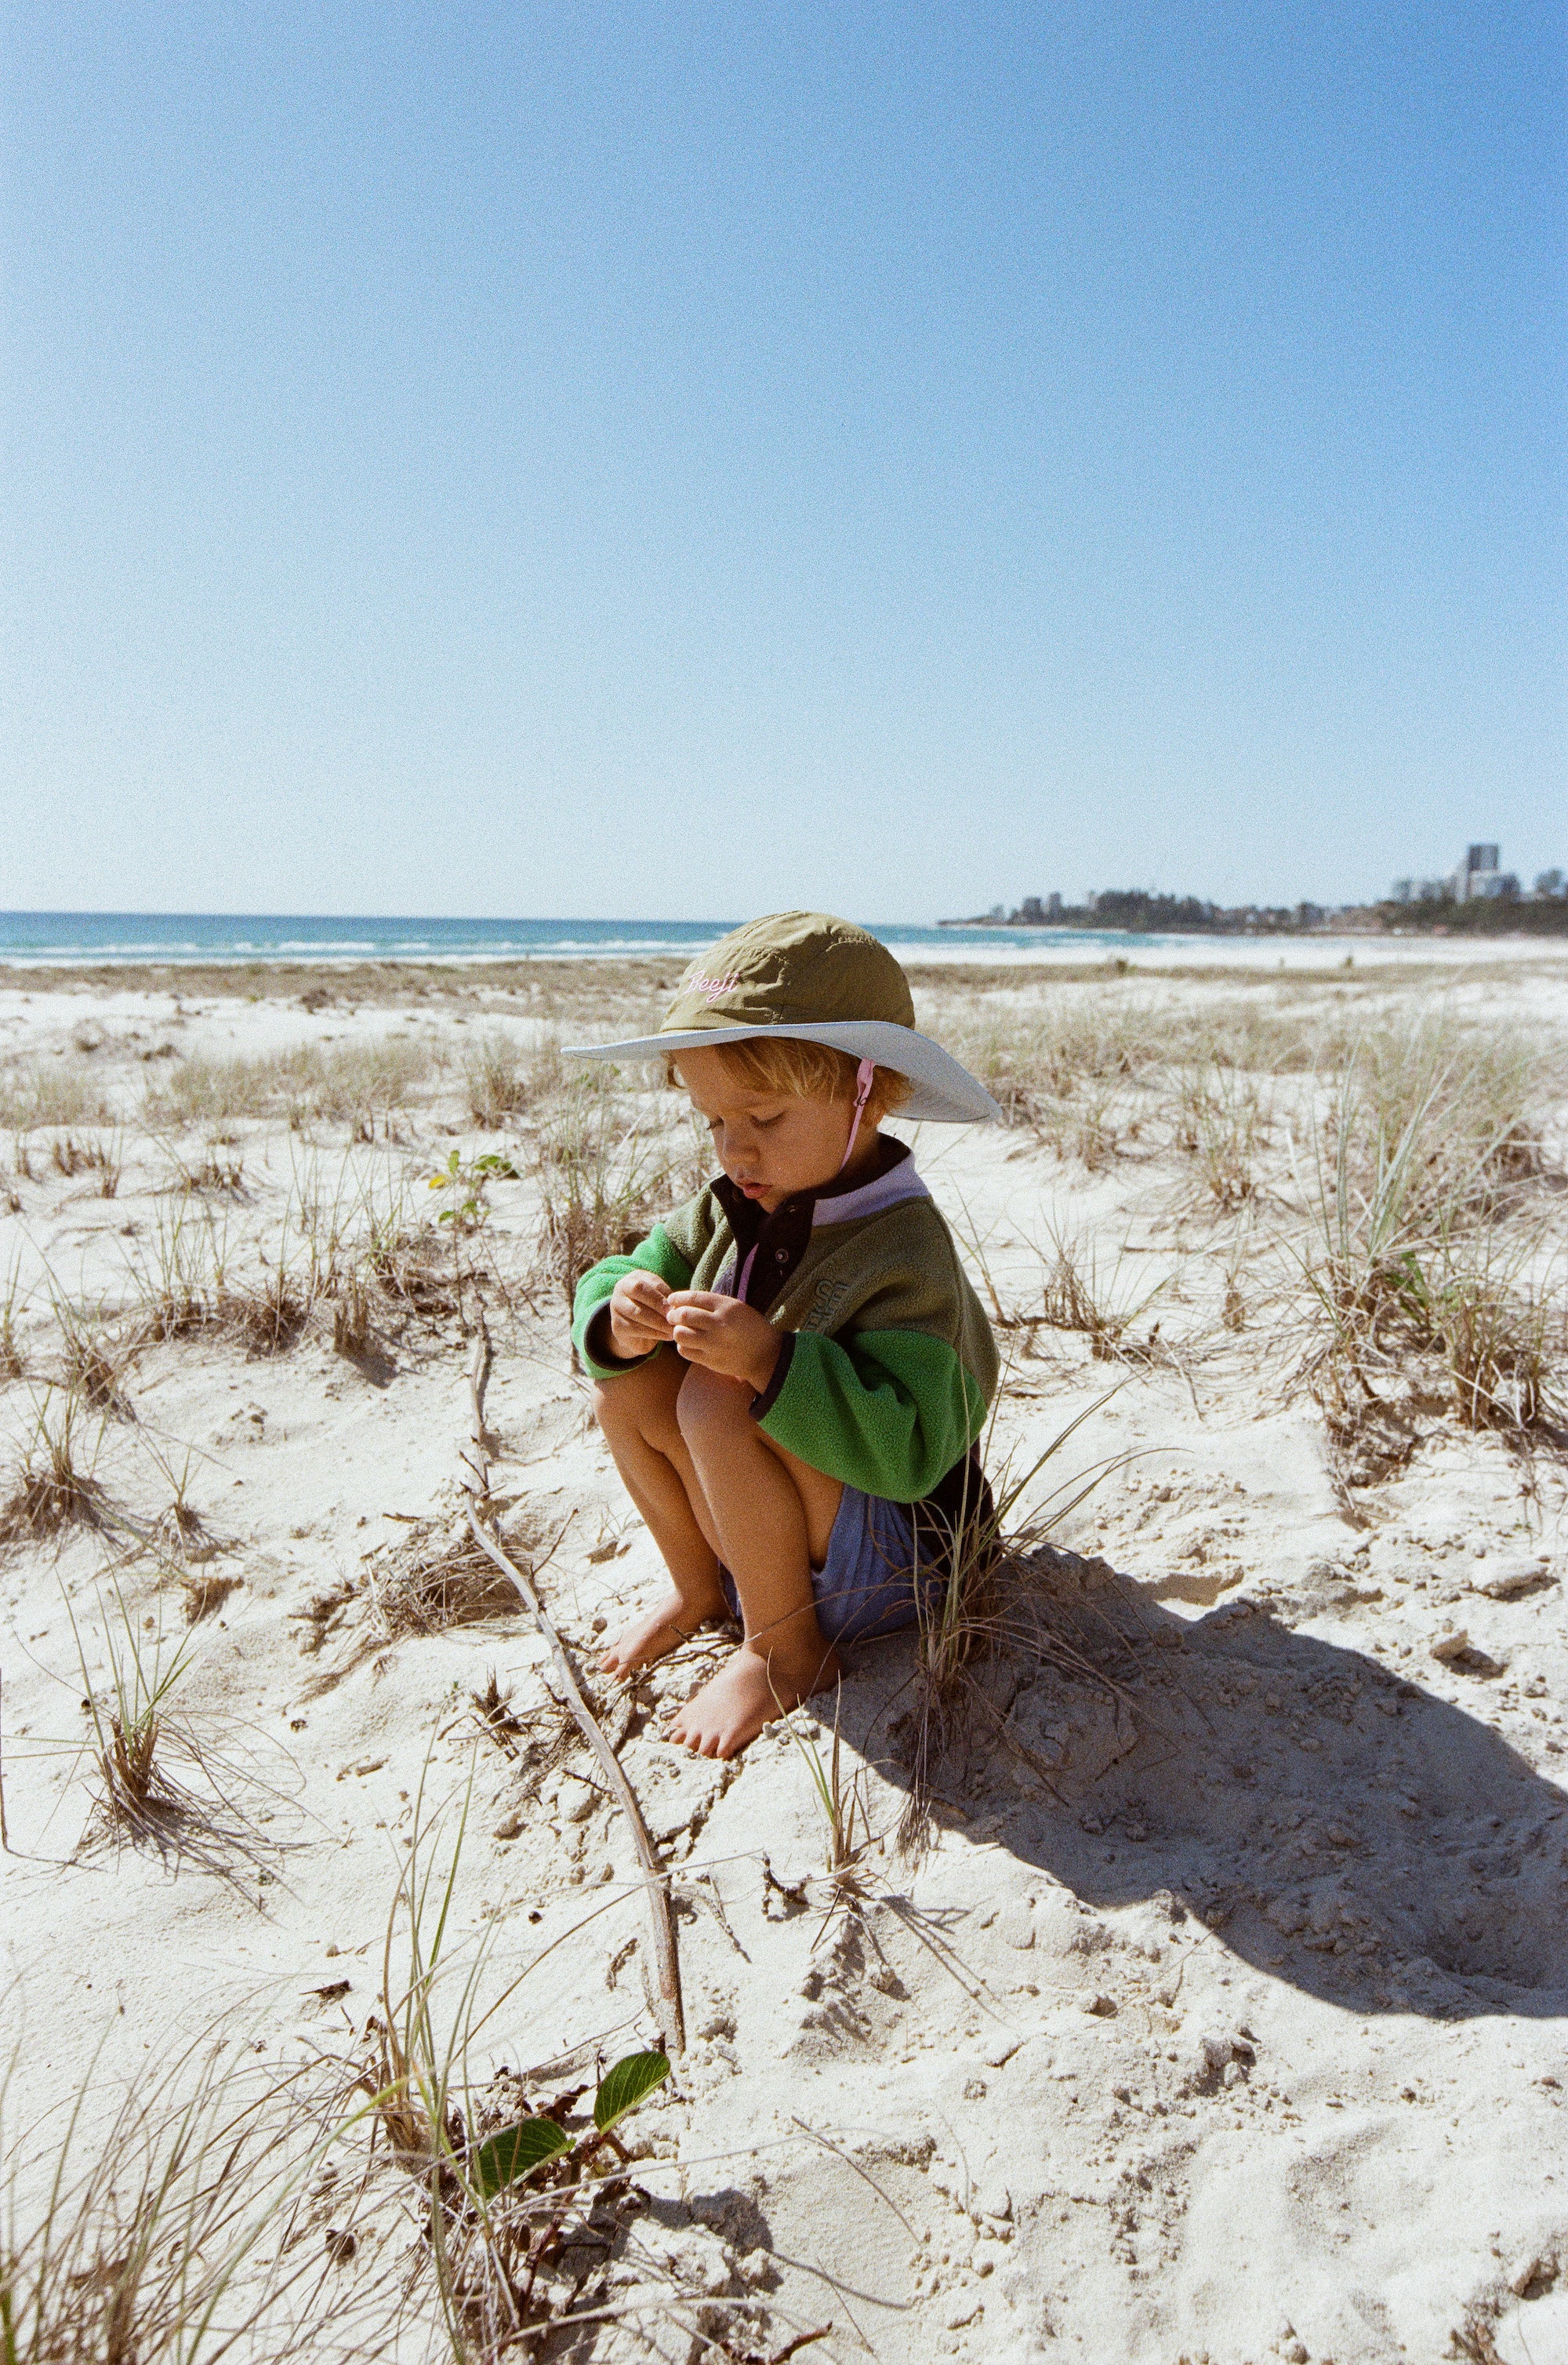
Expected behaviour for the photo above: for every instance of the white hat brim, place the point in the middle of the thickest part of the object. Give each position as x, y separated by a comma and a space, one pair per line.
942, 1092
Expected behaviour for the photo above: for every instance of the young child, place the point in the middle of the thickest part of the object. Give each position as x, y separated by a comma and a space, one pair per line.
791, 1371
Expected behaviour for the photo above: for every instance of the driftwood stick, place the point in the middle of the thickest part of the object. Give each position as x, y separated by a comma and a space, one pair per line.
655, 1879
475, 1462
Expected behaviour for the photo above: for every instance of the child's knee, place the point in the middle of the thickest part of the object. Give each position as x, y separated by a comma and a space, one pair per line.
642, 1398
709, 1405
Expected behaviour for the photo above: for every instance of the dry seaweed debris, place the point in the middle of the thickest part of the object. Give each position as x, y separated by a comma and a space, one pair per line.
204, 1591
435, 1575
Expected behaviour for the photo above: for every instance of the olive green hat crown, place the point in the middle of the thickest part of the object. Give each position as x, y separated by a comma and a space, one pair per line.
816, 980
797, 967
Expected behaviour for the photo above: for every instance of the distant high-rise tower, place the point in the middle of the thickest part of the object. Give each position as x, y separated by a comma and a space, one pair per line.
1478, 874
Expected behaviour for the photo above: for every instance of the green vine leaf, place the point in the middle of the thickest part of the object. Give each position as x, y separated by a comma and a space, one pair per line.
630, 2082
517, 2151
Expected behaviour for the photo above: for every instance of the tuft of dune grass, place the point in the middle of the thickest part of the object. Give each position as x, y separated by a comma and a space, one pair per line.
165, 2220
34, 1095
603, 1180
1427, 1247
352, 1083
505, 1080
52, 1486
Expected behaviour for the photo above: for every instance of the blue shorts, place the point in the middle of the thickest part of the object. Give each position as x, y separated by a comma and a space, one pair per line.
865, 1586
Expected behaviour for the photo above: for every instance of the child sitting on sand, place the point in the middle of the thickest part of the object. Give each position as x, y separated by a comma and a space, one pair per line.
791, 1371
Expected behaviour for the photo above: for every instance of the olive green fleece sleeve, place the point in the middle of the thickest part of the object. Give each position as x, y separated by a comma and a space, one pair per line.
888, 1411
693, 1228
656, 1254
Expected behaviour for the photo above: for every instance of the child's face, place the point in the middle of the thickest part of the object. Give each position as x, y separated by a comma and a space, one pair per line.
771, 1144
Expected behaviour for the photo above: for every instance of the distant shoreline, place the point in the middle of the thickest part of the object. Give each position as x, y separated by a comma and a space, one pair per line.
1525, 921
101, 948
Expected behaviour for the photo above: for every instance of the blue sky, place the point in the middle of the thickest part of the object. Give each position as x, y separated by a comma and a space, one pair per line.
662, 460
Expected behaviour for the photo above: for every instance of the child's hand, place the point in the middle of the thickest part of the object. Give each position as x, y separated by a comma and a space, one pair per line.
722, 1335
637, 1319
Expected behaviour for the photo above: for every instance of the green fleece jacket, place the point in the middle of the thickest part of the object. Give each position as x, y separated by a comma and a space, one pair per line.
887, 1364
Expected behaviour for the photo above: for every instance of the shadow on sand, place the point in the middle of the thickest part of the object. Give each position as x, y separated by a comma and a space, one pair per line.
1345, 1830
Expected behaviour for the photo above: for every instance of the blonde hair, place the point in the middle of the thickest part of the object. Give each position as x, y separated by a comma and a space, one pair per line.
803, 1071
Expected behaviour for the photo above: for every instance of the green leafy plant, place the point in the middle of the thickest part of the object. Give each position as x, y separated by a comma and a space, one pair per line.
515, 2152
467, 1179
501, 2199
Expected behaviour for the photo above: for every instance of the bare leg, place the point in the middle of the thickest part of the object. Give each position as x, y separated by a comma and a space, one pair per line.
637, 1414
773, 1516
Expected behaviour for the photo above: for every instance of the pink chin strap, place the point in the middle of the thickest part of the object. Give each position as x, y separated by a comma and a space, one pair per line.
865, 1077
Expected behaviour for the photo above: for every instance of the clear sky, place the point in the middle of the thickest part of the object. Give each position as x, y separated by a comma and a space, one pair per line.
665, 460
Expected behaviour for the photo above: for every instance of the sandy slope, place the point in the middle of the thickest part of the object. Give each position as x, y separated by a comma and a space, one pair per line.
1241, 2037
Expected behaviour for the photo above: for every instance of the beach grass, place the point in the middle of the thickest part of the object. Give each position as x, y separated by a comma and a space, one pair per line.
357, 1084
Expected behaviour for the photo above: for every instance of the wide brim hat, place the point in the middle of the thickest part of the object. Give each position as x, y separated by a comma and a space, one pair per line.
814, 980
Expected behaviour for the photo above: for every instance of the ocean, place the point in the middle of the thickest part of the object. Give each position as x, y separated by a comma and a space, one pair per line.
44, 938
41, 939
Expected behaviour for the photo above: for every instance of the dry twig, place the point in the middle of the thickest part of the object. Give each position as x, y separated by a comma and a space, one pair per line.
672, 2018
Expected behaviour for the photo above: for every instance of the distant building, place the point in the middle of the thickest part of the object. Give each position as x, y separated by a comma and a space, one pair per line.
1478, 875
1403, 891
1053, 907
1031, 911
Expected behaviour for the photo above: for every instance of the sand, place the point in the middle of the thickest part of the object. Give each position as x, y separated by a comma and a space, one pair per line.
1236, 2032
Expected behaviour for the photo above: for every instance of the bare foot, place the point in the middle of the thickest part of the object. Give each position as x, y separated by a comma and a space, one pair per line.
745, 1694
659, 1631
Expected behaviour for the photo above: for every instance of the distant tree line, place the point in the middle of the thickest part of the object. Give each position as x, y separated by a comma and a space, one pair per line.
1508, 912
1130, 908
1140, 913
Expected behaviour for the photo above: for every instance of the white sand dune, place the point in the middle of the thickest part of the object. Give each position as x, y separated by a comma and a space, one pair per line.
1223, 2017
